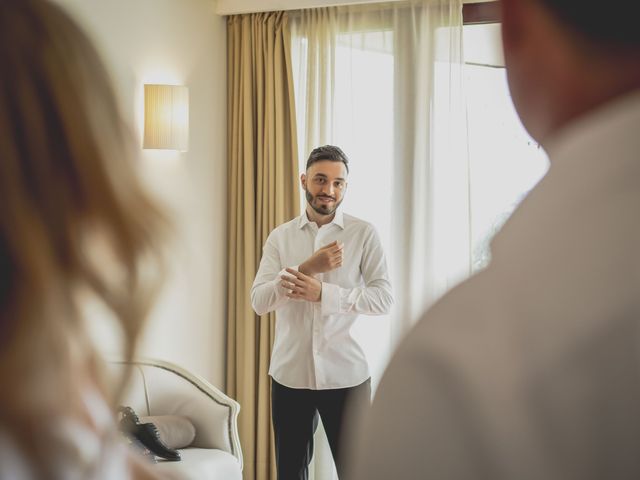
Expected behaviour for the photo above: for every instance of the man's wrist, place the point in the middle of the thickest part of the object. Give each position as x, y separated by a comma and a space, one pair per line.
304, 268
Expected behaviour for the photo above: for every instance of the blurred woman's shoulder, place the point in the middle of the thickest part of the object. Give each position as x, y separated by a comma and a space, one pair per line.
89, 448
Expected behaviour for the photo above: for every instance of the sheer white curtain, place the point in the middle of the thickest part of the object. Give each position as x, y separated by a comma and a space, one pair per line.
384, 82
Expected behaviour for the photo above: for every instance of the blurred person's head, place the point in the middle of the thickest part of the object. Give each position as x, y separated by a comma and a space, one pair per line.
566, 57
67, 193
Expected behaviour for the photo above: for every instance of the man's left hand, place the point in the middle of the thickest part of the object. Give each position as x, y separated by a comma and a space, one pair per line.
301, 286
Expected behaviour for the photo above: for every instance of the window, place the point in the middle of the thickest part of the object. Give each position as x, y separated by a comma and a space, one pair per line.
350, 99
504, 162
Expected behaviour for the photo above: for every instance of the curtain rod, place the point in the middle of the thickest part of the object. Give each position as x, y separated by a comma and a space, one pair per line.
473, 12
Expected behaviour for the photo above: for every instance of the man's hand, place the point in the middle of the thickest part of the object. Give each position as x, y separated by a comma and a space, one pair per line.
301, 286
325, 259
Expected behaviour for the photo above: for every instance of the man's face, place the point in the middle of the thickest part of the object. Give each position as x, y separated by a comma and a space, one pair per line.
325, 183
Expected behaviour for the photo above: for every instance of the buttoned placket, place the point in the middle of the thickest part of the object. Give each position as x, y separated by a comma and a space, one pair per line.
316, 339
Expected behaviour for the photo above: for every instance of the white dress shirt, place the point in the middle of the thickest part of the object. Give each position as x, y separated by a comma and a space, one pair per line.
314, 347
531, 369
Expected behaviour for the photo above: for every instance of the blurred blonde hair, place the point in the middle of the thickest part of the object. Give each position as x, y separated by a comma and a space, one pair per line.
66, 178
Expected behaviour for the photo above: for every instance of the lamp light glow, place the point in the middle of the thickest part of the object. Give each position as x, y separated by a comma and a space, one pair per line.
166, 117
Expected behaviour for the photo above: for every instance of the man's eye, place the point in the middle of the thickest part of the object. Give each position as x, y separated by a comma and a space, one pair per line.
339, 185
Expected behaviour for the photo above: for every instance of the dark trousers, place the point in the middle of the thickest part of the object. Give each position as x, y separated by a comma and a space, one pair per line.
295, 414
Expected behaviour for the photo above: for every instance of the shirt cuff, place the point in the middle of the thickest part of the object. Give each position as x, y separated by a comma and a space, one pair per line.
282, 291
330, 301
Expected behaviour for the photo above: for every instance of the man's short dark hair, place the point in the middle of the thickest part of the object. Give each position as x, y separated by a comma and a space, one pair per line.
613, 23
327, 152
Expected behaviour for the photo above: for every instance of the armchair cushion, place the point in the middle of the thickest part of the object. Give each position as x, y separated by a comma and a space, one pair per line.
175, 431
202, 463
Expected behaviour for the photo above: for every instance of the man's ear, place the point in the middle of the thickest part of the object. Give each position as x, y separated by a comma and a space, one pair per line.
513, 27
303, 181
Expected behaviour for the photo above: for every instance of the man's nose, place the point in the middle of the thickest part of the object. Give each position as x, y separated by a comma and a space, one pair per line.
327, 189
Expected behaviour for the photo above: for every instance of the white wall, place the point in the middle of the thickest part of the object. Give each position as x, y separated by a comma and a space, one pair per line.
177, 42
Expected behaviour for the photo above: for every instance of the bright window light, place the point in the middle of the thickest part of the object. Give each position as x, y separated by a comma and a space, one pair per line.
504, 161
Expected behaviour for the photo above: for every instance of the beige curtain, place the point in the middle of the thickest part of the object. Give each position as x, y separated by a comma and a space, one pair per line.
263, 193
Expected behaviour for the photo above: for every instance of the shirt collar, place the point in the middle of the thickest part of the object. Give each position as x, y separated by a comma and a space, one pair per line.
338, 219
614, 122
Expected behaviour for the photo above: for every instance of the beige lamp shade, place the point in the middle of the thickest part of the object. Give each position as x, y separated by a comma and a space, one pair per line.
166, 117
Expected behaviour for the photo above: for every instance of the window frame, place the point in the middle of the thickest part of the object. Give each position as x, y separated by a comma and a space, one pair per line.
480, 13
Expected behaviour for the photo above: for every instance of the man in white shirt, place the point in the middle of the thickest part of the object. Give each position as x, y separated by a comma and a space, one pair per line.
319, 272
531, 369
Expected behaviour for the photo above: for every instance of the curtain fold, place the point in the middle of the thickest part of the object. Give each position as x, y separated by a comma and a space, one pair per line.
263, 193
431, 232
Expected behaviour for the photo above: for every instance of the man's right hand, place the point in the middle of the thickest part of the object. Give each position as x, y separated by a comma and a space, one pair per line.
325, 259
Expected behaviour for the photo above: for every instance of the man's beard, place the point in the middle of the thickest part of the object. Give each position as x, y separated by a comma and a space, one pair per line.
322, 209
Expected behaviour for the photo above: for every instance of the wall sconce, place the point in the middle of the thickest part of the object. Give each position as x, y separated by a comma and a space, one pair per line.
166, 117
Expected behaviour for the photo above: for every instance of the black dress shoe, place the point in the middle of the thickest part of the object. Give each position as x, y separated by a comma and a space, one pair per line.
146, 434
142, 450
128, 424
149, 436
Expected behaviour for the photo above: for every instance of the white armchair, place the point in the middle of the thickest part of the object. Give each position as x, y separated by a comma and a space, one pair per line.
162, 388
